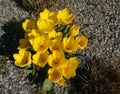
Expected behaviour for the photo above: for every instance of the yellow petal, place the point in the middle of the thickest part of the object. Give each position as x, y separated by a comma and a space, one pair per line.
69, 69
56, 59
54, 75
48, 15
23, 58
56, 45
64, 17
24, 44
40, 58
74, 30
82, 42
69, 44
29, 24
44, 14
62, 82
45, 25
52, 34
41, 43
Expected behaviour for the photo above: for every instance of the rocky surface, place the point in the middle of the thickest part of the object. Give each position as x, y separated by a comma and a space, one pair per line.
99, 21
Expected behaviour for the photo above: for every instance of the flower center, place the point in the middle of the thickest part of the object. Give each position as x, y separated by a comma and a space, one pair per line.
55, 61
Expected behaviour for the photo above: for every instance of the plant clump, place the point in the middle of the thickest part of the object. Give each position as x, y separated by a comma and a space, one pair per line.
49, 45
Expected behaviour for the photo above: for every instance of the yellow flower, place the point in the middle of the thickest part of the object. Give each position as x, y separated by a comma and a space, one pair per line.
24, 44
56, 59
23, 58
47, 21
40, 58
54, 74
69, 44
52, 34
59, 35
62, 82
69, 69
48, 15
55, 35
32, 35
29, 24
64, 17
45, 25
41, 43
74, 30
82, 42
56, 45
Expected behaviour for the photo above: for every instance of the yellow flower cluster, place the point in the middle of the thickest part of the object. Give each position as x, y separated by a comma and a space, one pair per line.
46, 41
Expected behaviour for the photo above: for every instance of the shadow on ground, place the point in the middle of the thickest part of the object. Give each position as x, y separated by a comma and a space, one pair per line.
10, 39
34, 7
20, 4
97, 77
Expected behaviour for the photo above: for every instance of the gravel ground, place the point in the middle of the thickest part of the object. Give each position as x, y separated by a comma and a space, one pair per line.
99, 21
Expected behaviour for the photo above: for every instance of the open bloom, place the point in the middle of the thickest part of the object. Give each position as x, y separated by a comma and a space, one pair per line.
32, 35
54, 74
40, 58
48, 15
47, 21
62, 82
74, 29
29, 24
41, 43
56, 59
45, 25
69, 69
82, 42
55, 35
64, 17
23, 58
69, 44
56, 45
24, 44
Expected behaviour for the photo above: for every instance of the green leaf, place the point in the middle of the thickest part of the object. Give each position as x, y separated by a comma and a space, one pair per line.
47, 85
69, 55
61, 28
66, 30
34, 70
29, 66
27, 70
